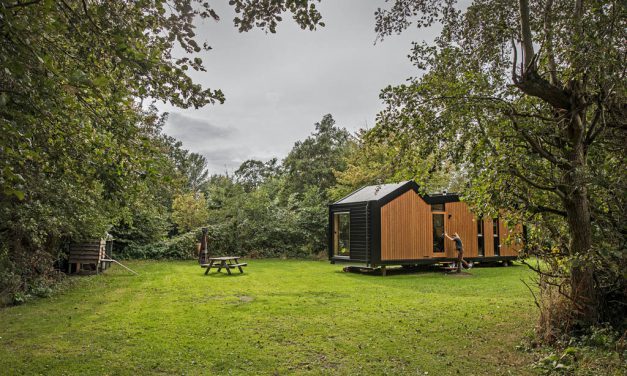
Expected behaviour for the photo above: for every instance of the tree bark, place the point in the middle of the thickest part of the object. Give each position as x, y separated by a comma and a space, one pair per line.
577, 207
570, 108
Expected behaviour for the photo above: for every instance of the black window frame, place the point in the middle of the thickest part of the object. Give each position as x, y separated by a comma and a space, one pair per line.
480, 238
495, 236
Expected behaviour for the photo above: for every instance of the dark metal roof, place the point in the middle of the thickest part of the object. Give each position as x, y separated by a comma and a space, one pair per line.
441, 198
376, 192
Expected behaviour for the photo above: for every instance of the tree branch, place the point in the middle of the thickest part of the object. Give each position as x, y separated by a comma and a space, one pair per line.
548, 188
546, 209
529, 81
537, 147
592, 133
527, 40
548, 32
18, 4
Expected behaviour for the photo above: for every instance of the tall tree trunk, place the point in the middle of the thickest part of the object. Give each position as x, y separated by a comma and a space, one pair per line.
577, 207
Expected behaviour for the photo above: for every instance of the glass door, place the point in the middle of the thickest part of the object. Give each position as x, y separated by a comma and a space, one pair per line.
438, 233
480, 238
341, 234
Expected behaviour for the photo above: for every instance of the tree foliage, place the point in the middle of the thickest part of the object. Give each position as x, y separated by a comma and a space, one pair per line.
372, 159
279, 208
311, 162
528, 98
189, 211
79, 151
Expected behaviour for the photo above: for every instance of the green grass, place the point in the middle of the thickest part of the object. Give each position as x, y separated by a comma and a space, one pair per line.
280, 317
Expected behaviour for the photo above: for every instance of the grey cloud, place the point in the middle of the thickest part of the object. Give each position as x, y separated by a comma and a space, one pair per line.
185, 127
278, 85
225, 159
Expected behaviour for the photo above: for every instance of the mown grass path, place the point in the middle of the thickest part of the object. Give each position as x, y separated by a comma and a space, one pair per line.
280, 317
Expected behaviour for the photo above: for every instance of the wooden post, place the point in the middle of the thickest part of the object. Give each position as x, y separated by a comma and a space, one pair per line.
383, 270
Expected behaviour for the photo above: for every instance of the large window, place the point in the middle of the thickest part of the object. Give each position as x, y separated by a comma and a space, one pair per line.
480, 238
341, 234
495, 232
438, 232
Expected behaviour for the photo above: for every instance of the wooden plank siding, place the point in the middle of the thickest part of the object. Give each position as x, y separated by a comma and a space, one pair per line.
488, 237
407, 231
406, 228
460, 219
510, 239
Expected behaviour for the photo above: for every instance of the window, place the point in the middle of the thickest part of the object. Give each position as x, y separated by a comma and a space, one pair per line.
438, 232
437, 207
495, 234
341, 234
480, 238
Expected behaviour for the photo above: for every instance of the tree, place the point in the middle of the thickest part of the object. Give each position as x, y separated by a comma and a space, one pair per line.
252, 173
373, 160
78, 151
529, 98
311, 162
189, 211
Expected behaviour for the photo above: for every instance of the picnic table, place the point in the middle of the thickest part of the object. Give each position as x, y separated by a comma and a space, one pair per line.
228, 263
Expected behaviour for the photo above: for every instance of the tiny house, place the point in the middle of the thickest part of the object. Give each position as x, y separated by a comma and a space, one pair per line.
391, 224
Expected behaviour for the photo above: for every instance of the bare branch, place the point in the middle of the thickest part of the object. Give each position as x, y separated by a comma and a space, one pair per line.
527, 40
529, 81
548, 32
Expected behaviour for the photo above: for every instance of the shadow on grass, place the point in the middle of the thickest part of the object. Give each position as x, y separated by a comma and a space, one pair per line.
224, 275
415, 270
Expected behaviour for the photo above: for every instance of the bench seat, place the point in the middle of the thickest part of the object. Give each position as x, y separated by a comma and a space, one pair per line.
219, 265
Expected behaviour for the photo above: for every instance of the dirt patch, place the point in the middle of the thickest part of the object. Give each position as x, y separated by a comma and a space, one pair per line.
245, 298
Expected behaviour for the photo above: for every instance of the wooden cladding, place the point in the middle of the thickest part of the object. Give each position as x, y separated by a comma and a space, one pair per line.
511, 239
407, 231
406, 228
459, 219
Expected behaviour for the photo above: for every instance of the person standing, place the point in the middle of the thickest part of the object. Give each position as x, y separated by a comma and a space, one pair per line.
459, 246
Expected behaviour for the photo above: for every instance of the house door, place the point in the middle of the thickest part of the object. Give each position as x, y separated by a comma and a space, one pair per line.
480, 238
437, 217
341, 234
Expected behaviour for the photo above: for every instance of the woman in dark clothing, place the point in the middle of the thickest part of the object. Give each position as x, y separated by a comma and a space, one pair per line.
460, 252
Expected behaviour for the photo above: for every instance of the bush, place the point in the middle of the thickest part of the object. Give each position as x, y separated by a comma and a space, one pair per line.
26, 274
222, 240
599, 351
181, 247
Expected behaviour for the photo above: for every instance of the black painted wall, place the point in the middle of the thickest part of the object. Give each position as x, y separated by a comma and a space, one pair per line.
360, 229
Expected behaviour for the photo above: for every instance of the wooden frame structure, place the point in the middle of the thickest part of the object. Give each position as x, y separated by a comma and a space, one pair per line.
92, 253
391, 224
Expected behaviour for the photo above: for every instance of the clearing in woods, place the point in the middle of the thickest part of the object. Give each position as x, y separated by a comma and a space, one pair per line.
279, 317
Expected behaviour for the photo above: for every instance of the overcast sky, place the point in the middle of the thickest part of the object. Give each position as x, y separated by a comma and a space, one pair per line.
278, 85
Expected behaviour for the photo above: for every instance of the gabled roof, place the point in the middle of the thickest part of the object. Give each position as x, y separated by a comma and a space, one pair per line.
378, 192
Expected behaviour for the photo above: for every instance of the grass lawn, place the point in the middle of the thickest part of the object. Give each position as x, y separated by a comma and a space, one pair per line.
280, 317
